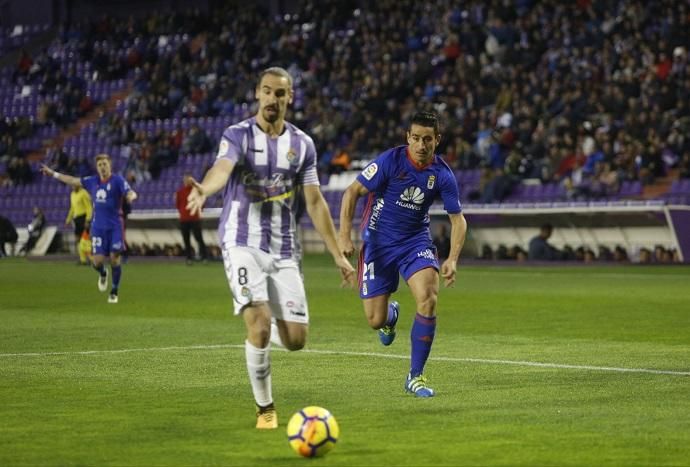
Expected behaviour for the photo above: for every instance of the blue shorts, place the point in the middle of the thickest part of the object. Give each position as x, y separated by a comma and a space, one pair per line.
380, 265
106, 241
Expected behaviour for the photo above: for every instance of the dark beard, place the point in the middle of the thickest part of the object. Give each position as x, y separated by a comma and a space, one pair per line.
270, 117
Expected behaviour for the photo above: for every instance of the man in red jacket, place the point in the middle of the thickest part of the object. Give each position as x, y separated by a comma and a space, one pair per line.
189, 223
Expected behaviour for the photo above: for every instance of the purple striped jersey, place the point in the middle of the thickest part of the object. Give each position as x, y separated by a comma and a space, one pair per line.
259, 198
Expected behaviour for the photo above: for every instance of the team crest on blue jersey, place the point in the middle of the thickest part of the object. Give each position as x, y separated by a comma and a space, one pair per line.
101, 195
292, 156
431, 181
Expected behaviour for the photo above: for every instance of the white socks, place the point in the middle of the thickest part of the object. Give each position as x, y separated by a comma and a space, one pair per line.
259, 369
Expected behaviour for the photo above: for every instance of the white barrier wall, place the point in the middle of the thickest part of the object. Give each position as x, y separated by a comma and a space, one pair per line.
632, 225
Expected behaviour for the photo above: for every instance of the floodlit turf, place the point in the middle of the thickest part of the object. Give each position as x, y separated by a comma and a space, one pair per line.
159, 379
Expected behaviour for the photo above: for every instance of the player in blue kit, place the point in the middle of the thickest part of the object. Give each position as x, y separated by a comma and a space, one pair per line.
108, 192
401, 184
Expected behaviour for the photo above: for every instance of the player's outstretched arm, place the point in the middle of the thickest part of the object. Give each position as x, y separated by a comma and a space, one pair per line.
215, 179
131, 195
320, 216
66, 179
458, 230
347, 213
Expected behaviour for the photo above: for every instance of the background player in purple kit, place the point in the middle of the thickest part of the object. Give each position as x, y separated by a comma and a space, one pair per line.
402, 183
261, 164
108, 192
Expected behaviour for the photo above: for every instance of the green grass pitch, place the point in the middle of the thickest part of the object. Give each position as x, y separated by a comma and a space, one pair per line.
532, 366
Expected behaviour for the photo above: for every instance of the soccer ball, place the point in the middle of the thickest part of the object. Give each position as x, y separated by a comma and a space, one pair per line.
312, 431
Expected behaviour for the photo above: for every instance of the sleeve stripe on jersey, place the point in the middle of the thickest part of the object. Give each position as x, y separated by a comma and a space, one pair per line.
310, 177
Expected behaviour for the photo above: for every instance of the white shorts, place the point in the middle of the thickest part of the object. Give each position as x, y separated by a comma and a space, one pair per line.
255, 276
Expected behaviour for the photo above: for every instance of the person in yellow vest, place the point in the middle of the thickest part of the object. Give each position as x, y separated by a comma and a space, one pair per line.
80, 212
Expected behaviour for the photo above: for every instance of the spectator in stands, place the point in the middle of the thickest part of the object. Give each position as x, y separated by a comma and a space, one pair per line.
605, 254
517, 253
190, 223
35, 229
662, 254
486, 253
23, 66
340, 162
80, 212
645, 255
498, 188
568, 253
620, 254
163, 156
196, 141
8, 234
19, 171
539, 247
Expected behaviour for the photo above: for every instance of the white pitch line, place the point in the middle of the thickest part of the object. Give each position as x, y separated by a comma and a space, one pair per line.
561, 366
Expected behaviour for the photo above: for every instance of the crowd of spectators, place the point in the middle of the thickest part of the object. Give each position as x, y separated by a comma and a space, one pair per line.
169, 250
581, 254
17, 171
64, 96
584, 94
587, 254
147, 154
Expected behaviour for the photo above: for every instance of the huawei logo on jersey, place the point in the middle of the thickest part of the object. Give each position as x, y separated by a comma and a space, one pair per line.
413, 194
101, 195
411, 198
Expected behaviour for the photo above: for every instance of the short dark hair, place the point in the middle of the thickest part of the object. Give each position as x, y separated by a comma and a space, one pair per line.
426, 119
275, 71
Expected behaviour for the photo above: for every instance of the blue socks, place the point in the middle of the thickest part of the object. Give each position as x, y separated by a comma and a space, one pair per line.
422, 337
117, 272
100, 269
392, 317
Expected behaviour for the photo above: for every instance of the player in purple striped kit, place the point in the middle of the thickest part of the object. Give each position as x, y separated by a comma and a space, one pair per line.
261, 163
401, 184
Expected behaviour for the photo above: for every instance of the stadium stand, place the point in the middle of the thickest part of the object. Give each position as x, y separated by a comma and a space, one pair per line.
542, 102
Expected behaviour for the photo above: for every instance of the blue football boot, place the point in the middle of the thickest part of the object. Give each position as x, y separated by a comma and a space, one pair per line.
418, 386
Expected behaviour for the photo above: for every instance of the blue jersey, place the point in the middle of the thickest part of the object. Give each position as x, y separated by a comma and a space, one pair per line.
108, 196
400, 195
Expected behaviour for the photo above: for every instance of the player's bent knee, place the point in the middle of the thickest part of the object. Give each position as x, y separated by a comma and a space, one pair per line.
427, 305
295, 345
295, 342
376, 321
296, 337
